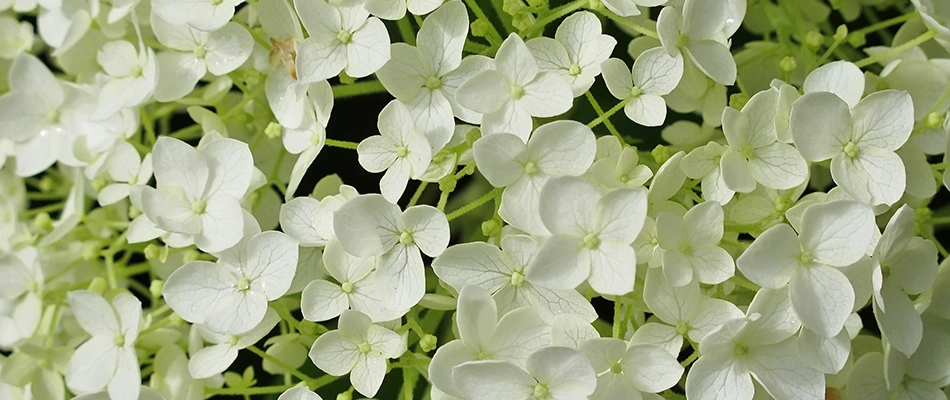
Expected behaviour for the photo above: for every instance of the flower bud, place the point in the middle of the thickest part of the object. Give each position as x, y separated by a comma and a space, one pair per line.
155, 288
447, 183
814, 40
345, 396
428, 342
841, 33
191, 255
491, 228
934, 120
738, 100
90, 250
788, 64
152, 251
661, 153
273, 130
480, 28
47, 184
308, 328
98, 285
43, 222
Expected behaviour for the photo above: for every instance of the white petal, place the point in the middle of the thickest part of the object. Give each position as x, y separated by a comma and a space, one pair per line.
484, 92
429, 229
564, 370
646, 110
93, 365
230, 165
493, 380
827, 355
497, 157
442, 37
318, 60
562, 148
228, 48
703, 18
93, 313
839, 77
177, 75
772, 257
656, 72
617, 77
651, 368
515, 61
368, 49
837, 233
547, 95
886, 175
714, 59
613, 268
900, 324
718, 379
271, 262
333, 354
784, 375
820, 122
566, 206
562, 262
177, 163
363, 224
445, 358
779, 166
474, 263
222, 224
822, 297
476, 317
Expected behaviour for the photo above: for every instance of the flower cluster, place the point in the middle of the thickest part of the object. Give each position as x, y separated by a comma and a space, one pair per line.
762, 221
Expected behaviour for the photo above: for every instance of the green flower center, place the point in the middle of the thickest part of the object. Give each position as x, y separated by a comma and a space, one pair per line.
635, 92
741, 349
517, 279
200, 51
540, 391
591, 241
851, 150
433, 82
405, 237
364, 347
682, 328
135, 71
530, 168
344, 37
119, 340
686, 249
747, 152
806, 257
517, 92
402, 151
347, 287
616, 368
53, 116
199, 206
574, 70
244, 284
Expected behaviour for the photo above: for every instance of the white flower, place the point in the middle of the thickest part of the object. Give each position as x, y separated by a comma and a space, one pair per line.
132, 77
843, 78
299, 393
368, 225
552, 372
509, 275
576, 51
555, 149
754, 153
704, 163
425, 77
203, 15
230, 296
860, 142
690, 245
629, 370
399, 149
833, 234
309, 220
654, 74
905, 265
760, 345
698, 32
107, 359
356, 288
129, 171
193, 52
22, 287
592, 235
684, 311
514, 91
308, 138
342, 36
486, 335
359, 348
936, 16
198, 191
215, 359
171, 377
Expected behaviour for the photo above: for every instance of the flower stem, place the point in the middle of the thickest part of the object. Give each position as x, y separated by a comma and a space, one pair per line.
742, 282
930, 34
613, 110
293, 371
417, 194
473, 205
210, 392
555, 14
358, 89
607, 123
343, 144
689, 360
628, 24
884, 24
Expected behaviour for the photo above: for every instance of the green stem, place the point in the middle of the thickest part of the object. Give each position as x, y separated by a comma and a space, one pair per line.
293, 371
555, 14
930, 34
358, 89
628, 24
884, 24
417, 194
187, 133
473, 205
323, 381
343, 144
493, 33
210, 392
600, 113
405, 30
689, 360
742, 282
613, 110
618, 318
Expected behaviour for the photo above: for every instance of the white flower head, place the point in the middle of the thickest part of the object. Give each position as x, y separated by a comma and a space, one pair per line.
129, 171
359, 348
514, 91
592, 235
550, 372
399, 149
343, 37
230, 296
833, 234
198, 192
355, 288
576, 51
107, 359
369, 225
486, 334
299, 393
697, 31
560, 148
203, 15
627, 370
193, 52
690, 245
654, 74
860, 142
132, 76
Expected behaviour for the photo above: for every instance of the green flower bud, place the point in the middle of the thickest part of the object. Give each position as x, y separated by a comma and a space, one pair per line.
47, 184
857, 39
661, 153
472, 136
308, 328
428, 342
191, 255
512, 7
344, 396
134, 212
98, 183
480, 28
934, 120
814, 39
152, 251
491, 228
447, 183
273, 130
841, 33
43, 222
252, 77
788, 64
346, 79
738, 100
